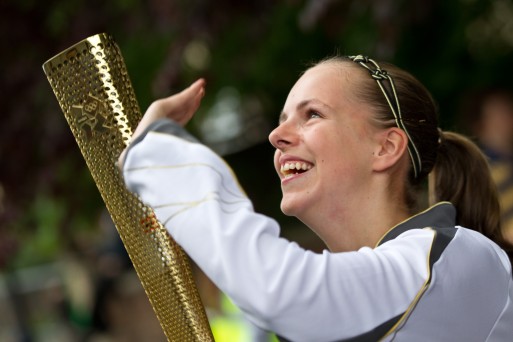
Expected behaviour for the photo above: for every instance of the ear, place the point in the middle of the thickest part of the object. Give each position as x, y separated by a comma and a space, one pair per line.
392, 145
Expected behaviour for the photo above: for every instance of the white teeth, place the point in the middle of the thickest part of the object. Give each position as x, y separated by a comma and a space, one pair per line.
295, 166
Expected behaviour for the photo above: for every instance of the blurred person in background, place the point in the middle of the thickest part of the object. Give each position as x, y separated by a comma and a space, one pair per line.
488, 116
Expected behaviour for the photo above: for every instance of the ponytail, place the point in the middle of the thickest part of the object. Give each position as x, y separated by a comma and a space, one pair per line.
462, 176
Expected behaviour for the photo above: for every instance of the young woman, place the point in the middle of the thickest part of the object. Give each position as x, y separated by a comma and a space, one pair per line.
353, 143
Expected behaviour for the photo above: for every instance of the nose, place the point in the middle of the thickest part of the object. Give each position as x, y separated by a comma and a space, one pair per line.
282, 136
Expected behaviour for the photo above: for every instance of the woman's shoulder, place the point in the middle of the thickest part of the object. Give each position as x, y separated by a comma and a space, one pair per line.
481, 247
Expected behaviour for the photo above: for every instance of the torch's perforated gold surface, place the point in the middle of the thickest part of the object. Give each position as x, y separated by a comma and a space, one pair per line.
92, 86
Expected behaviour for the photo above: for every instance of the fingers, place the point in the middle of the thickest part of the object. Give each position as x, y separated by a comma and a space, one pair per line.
197, 86
194, 92
197, 90
191, 103
179, 107
182, 107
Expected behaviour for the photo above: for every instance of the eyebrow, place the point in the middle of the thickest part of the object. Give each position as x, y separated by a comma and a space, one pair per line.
301, 105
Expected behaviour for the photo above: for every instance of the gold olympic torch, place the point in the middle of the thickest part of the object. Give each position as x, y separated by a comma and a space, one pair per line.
92, 86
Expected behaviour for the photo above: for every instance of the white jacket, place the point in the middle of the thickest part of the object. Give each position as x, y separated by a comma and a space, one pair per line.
427, 280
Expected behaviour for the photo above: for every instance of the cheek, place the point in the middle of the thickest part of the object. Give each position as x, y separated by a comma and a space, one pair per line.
276, 160
345, 157
337, 145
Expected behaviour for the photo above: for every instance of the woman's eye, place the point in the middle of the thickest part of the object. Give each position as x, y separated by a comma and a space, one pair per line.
313, 114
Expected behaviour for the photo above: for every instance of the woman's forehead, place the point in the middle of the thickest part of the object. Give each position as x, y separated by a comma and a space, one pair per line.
332, 73
325, 80
329, 88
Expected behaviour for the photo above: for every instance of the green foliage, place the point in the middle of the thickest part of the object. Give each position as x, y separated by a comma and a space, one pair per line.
49, 205
257, 47
41, 243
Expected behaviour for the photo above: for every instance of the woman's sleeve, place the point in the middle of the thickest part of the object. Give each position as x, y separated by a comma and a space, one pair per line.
300, 295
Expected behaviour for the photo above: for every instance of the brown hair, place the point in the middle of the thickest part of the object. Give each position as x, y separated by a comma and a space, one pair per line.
461, 172
462, 176
462, 169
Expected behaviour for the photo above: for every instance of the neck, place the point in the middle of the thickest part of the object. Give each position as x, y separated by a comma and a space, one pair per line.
363, 221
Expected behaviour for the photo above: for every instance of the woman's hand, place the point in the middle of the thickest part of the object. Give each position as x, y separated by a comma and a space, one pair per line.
178, 107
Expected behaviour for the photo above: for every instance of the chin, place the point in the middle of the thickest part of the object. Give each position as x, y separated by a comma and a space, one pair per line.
288, 208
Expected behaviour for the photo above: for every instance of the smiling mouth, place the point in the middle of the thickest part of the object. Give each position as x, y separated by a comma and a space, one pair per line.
290, 169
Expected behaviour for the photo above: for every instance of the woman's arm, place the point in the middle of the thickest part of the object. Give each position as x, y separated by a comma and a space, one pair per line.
295, 293
298, 294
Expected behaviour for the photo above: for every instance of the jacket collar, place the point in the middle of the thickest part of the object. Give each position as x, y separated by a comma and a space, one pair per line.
440, 215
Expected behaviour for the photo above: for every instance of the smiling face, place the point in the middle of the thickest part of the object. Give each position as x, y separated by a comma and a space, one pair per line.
324, 145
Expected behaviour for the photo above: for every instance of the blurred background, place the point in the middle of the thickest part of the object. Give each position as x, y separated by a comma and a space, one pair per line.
64, 274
